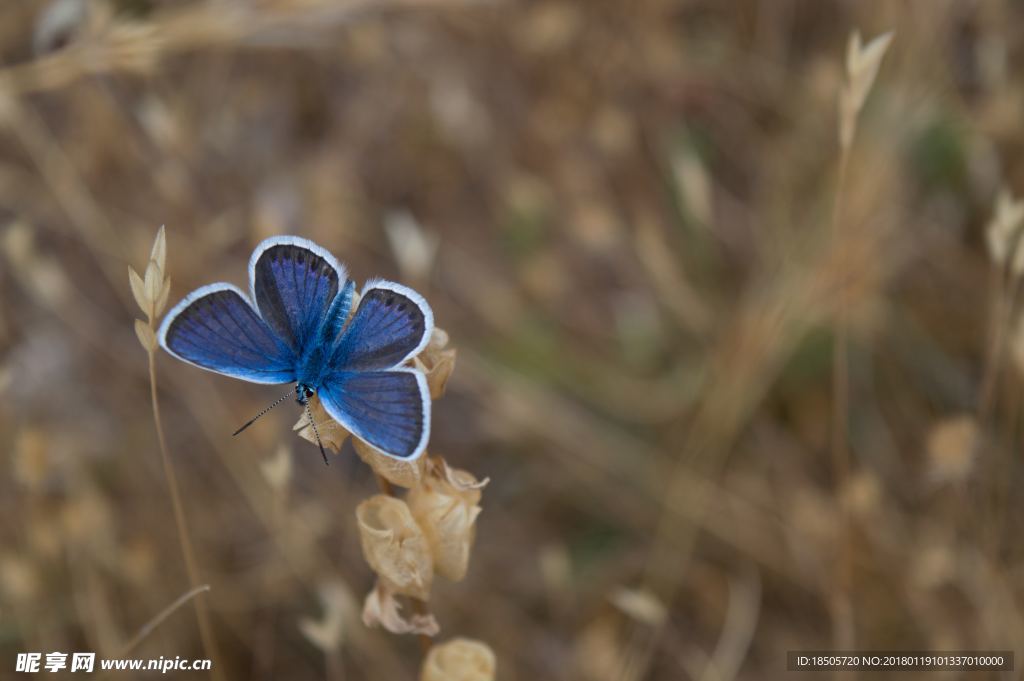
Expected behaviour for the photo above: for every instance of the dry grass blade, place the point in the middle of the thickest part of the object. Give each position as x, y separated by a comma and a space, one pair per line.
151, 625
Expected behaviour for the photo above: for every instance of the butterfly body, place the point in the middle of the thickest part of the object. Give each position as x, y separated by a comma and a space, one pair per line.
300, 327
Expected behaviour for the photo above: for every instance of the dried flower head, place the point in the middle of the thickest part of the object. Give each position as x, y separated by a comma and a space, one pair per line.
382, 609
460, 659
395, 546
437, 361
151, 291
446, 507
862, 64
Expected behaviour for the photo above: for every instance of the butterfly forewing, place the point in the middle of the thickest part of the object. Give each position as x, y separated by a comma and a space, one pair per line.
390, 410
294, 282
216, 328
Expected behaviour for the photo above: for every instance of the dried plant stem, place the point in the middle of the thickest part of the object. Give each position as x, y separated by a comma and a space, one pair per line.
986, 392
385, 485
202, 614
991, 509
1001, 306
842, 606
149, 626
418, 606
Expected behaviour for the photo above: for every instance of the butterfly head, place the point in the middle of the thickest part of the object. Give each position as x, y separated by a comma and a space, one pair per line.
302, 393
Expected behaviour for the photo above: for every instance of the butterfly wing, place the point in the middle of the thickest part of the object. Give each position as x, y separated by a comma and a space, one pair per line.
294, 282
391, 324
389, 410
216, 328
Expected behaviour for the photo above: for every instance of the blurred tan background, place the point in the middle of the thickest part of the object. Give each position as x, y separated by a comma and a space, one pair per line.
622, 213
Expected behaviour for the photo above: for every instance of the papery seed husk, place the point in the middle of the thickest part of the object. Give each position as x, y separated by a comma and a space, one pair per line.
145, 334
381, 608
332, 434
159, 252
460, 659
394, 545
445, 506
161, 302
154, 281
138, 290
401, 472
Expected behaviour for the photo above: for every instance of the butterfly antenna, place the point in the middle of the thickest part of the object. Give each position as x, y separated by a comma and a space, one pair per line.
253, 419
309, 417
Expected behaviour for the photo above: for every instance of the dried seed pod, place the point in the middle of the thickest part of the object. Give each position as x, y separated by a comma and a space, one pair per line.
395, 546
332, 433
381, 609
437, 361
403, 473
460, 659
446, 507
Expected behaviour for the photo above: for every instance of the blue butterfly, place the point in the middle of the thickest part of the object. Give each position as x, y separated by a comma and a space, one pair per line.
295, 328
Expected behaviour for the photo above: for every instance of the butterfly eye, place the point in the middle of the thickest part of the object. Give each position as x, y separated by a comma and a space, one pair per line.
308, 392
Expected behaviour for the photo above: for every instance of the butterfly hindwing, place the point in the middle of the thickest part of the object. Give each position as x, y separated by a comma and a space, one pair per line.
216, 328
391, 324
293, 284
389, 410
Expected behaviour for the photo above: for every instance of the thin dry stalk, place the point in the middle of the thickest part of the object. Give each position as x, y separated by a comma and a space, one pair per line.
1001, 309
992, 507
202, 613
842, 606
151, 625
862, 64
150, 291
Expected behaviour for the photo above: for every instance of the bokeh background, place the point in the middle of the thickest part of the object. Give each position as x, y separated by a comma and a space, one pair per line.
622, 213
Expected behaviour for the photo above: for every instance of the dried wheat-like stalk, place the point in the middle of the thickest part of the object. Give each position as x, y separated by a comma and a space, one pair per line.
1003, 238
862, 64
150, 291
